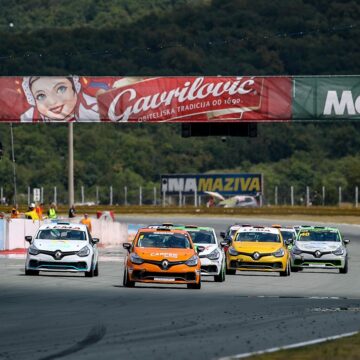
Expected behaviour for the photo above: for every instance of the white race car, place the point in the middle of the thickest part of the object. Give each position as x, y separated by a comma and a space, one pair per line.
212, 258
62, 247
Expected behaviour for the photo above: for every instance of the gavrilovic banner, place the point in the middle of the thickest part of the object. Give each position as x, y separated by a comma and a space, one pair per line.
145, 99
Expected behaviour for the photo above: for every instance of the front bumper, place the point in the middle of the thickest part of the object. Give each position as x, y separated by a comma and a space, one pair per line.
266, 263
150, 273
327, 261
71, 263
210, 267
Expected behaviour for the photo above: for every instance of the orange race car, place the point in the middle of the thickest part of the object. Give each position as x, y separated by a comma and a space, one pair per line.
162, 255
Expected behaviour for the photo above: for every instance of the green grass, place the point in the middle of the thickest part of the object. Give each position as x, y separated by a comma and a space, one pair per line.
347, 348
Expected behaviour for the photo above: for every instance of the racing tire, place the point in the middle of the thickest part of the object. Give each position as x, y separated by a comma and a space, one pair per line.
345, 269
31, 272
96, 271
287, 271
221, 276
194, 286
230, 271
90, 273
126, 281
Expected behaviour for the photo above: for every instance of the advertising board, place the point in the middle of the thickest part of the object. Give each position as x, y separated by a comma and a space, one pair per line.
225, 184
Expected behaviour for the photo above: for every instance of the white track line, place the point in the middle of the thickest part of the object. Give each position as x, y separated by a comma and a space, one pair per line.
286, 347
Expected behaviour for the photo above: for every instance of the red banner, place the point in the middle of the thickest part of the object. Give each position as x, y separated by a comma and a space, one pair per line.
141, 99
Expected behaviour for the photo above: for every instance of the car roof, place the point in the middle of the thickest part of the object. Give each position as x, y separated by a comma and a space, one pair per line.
63, 225
163, 230
319, 228
194, 228
264, 229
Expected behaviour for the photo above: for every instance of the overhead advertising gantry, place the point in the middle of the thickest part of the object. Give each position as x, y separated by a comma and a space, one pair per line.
205, 105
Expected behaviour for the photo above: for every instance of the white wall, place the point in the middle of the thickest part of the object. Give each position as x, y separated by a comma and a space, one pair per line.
110, 233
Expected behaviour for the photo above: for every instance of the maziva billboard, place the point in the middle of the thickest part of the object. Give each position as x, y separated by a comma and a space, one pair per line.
226, 184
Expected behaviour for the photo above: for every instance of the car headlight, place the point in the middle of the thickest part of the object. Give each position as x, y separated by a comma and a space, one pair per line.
279, 253
85, 251
192, 261
214, 255
339, 251
296, 251
136, 259
33, 250
232, 251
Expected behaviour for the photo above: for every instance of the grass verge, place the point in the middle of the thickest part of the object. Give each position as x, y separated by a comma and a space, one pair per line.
346, 348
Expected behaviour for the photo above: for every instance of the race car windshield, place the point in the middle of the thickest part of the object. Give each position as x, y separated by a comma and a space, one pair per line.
253, 236
287, 235
309, 235
202, 237
163, 241
61, 234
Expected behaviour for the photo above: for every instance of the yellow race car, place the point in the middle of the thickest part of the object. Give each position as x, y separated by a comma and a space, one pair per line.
260, 249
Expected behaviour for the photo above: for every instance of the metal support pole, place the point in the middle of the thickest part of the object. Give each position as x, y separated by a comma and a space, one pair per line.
195, 198
97, 195
154, 195
163, 198
13, 161
29, 195
356, 196
276, 195
292, 195
71, 163
2, 195
55, 195
82, 195
199, 202
140, 196
42, 195
340, 196
307, 196
323, 195
111, 195
180, 199
125, 196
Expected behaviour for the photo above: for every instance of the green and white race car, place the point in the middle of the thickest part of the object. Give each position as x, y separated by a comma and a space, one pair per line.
319, 247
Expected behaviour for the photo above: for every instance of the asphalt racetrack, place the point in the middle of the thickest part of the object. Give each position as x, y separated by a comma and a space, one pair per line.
65, 316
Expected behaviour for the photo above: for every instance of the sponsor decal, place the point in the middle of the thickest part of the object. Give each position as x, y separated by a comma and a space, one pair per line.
164, 254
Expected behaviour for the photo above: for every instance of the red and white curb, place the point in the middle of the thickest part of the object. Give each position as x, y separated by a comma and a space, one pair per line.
287, 347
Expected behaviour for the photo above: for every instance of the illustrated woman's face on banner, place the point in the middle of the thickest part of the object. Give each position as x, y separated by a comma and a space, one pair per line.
55, 98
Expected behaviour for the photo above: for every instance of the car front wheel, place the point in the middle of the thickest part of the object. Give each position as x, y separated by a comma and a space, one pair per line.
286, 272
221, 276
126, 281
31, 272
194, 286
345, 269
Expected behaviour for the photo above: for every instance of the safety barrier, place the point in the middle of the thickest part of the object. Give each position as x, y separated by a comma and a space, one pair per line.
12, 233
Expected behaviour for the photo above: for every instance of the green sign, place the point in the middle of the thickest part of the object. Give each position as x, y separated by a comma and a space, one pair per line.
326, 98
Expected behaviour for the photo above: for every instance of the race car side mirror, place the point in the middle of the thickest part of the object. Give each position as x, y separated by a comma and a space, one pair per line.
222, 234
127, 246
200, 249
346, 241
224, 243
95, 240
28, 239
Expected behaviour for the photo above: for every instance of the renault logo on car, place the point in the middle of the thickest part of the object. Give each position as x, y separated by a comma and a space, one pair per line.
58, 255
256, 256
317, 253
165, 264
